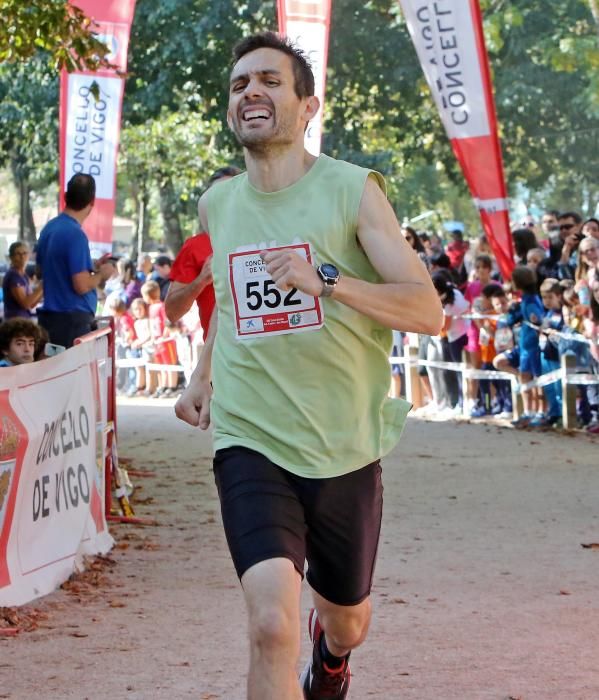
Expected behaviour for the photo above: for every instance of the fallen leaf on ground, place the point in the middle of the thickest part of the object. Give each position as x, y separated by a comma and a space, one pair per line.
143, 501
590, 545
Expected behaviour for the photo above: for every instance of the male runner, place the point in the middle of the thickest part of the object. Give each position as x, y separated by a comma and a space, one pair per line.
310, 272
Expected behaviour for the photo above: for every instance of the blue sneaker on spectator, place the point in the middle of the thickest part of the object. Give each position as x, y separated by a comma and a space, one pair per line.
497, 407
478, 411
543, 421
523, 421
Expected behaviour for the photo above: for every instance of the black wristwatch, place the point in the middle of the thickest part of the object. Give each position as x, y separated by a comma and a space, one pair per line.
329, 274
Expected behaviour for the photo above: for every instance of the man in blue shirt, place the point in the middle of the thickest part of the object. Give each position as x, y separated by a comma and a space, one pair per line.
70, 279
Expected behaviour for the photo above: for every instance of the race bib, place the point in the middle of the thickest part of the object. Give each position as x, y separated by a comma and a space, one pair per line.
261, 308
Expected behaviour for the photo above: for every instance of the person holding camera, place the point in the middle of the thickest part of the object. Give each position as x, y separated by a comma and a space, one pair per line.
570, 233
560, 262
69, 276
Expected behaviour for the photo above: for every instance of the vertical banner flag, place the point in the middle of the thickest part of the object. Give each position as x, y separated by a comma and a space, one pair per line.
89, 125
306, 23
449, 40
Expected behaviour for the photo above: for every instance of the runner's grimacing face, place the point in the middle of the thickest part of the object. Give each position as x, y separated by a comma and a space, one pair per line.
263, 106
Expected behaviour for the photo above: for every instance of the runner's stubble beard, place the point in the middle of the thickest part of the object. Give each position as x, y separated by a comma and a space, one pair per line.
262, 144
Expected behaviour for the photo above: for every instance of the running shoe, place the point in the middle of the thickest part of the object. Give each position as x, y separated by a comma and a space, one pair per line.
317, 680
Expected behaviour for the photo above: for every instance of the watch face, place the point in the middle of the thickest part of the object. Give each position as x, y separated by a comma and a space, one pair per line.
329, 270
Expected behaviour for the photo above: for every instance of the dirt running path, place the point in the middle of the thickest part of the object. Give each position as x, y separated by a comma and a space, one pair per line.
483, 590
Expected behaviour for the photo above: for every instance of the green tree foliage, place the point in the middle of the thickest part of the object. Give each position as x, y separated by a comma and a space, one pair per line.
55, 27
544, 57
545, 60
174, 152
29, 130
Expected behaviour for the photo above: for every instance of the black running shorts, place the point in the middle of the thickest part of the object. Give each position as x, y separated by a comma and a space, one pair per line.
333, 524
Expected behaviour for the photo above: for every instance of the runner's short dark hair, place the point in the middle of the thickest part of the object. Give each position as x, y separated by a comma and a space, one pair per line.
302, 68
81, 191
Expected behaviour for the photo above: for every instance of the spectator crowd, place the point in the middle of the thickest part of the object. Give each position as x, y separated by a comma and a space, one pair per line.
522, 325
162, 307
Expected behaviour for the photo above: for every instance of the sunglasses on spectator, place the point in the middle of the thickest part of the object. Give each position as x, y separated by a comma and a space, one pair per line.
566, 227
528, 224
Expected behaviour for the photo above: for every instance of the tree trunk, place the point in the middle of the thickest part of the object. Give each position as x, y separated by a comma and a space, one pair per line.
594, 5
26, 230
173, 235
140, 241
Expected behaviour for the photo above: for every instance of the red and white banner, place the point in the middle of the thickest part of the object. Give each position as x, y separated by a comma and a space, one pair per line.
448, 36
90, 126
51, 472
307, 23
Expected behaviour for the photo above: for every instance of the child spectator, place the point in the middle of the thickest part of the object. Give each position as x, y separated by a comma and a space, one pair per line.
20, 342
141, 347
506, 357
124, 336
525, 281
553, 321
534, 257
150, 291
483, 268
591, 328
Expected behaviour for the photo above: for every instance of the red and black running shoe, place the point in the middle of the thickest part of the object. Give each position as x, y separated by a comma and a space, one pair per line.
318, 681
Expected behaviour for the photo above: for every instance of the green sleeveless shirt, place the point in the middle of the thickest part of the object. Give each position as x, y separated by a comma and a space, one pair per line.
313, 402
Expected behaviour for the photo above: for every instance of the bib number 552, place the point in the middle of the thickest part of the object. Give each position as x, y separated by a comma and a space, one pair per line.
265, 293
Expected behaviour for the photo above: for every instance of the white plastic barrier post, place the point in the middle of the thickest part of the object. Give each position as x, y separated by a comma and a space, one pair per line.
413, 388
568, 367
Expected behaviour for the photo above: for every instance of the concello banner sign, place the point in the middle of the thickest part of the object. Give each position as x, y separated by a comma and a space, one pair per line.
449, 40
90, 117
51, 472
307, 25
